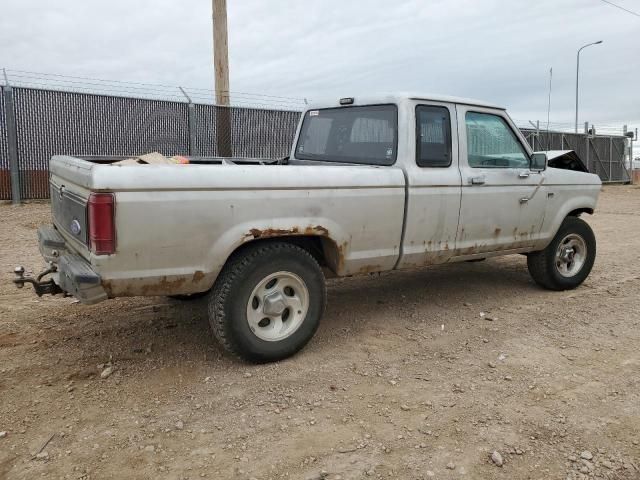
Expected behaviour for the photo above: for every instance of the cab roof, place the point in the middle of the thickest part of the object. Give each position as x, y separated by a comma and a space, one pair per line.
373, 99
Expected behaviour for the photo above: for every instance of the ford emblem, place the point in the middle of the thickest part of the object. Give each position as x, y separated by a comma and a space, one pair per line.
75, 227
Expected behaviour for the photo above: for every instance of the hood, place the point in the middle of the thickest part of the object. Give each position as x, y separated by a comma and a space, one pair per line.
565, 159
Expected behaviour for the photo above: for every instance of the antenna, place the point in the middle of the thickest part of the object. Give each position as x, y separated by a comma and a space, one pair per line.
549, 109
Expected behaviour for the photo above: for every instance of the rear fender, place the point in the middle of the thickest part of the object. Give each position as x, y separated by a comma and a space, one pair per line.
335, 240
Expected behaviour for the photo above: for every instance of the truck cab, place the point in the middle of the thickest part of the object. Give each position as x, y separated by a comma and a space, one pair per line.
475, 188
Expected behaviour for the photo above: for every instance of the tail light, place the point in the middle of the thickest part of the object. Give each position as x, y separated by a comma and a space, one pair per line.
102, 228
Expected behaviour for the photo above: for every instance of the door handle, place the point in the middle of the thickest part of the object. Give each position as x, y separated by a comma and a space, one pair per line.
523, 175
477, 180
524, 200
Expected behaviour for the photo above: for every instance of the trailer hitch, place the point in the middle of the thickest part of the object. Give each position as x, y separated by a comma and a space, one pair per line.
40, 287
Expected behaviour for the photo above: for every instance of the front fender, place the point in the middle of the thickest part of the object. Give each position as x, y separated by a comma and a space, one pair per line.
564, 201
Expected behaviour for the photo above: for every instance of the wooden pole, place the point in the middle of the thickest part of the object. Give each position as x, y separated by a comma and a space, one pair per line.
221, 69
221, 51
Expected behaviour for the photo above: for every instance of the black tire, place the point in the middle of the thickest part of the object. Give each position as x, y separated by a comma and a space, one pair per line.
543, 265
229, 300
190, 296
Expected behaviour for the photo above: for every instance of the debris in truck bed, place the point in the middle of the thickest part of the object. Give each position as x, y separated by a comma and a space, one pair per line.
154, 158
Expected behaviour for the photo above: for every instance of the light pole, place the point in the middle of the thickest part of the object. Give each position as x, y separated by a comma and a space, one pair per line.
578, 73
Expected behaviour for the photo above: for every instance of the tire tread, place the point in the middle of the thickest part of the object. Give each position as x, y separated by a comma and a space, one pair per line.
542, 263
237, 265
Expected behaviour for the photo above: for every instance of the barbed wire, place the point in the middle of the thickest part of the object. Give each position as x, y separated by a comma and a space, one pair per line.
151, 91
159, 91
155, 85
568, 127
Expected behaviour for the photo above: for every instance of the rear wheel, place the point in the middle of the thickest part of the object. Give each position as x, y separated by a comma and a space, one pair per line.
267, 302
568, 259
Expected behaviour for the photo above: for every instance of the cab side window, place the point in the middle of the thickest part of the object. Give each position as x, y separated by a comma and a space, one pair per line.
492, 144
433, 136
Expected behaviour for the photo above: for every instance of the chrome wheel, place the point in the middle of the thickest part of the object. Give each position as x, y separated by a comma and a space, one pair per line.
571, 255
277, 306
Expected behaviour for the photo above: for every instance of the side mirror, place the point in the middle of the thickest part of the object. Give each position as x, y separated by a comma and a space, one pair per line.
538, 162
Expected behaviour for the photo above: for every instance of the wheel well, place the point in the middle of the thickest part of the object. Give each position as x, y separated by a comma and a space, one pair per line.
579, 211
323, 249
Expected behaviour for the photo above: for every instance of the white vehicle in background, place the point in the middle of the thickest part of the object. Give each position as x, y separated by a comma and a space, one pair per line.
372, 184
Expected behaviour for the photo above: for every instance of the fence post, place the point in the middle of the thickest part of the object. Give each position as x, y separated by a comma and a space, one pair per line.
191, 124
586, 138
628, 151
631, 156
12, 141
193, 151
610, 159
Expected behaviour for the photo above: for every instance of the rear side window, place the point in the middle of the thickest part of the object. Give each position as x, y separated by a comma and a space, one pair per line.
433, 136
367, 135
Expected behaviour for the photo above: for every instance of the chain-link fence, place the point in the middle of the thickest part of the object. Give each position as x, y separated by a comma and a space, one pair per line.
252, 132
5, 180
53, 122
50, 122
604, 155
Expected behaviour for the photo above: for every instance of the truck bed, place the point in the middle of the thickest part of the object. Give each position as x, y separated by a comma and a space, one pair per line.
177, 224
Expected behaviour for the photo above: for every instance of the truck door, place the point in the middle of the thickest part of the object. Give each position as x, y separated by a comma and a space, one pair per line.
503, 201
433, 178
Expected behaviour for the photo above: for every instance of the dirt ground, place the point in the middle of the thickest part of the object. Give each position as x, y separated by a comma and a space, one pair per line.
404, 379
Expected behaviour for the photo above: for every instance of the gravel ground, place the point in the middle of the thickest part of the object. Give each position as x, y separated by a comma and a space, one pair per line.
404, 379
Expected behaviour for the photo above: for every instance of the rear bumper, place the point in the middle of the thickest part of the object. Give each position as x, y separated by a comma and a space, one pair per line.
71, 273
51, 244
75, 277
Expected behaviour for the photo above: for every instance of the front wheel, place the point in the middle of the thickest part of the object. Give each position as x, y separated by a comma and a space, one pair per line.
568, 259
267, 302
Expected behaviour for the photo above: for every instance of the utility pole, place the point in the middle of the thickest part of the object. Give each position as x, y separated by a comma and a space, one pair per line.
221, 51
221, 69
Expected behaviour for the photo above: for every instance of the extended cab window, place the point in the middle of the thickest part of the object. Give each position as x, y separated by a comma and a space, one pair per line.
492, 144
365, 135
433, 136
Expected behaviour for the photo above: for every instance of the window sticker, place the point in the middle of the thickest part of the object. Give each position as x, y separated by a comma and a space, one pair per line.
314, 113
389, 152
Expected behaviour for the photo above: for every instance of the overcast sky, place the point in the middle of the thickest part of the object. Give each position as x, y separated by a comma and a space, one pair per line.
495, 50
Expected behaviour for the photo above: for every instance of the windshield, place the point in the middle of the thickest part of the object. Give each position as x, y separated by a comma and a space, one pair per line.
366, 135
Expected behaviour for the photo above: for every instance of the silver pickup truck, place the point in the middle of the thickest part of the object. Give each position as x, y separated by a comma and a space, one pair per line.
371, 184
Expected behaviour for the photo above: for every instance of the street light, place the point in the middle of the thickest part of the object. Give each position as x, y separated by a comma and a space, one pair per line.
578, 73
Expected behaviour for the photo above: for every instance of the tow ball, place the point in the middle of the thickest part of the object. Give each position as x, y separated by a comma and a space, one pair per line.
40, 287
